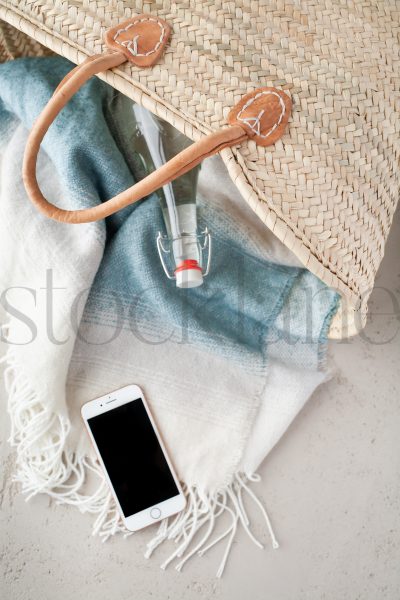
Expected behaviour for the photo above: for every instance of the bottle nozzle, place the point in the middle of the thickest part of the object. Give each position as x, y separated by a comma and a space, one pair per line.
188, 274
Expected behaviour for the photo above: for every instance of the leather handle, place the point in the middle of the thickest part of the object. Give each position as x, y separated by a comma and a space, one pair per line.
261, 115
177, 166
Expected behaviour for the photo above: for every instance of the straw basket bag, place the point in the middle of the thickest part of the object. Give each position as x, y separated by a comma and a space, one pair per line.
327, 188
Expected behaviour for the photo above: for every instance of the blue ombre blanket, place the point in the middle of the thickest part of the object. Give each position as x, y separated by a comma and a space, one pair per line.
225, 366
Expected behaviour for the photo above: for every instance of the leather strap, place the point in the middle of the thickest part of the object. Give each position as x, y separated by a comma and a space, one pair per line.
261, 115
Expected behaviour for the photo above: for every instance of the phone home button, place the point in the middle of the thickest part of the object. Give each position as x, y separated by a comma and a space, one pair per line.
155, 513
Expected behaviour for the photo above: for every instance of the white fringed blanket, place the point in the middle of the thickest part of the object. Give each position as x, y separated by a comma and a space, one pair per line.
86, 309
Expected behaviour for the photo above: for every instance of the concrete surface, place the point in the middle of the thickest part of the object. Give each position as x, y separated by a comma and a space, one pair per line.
332, 487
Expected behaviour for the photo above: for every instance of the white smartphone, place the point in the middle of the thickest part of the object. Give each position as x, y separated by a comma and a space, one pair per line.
132, 454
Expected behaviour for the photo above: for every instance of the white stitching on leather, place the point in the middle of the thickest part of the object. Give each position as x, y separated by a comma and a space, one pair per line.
131, 45
255, 122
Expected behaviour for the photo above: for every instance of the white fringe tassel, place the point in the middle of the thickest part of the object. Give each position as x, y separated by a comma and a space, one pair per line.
201, 516
44, 466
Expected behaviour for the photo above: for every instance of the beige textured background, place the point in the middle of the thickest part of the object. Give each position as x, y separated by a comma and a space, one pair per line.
332, 487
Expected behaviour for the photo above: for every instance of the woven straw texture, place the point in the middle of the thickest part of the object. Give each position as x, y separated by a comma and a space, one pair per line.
328, 189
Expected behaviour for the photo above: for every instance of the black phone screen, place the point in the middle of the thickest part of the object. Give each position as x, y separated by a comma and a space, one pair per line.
133, 457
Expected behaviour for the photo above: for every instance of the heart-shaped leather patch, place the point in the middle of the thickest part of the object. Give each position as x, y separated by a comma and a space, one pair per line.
263, 114
141, 39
